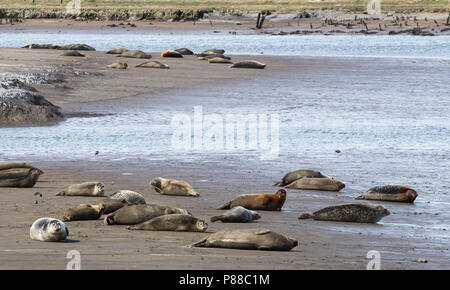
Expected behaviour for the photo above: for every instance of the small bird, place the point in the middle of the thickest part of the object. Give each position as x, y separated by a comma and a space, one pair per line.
96, 153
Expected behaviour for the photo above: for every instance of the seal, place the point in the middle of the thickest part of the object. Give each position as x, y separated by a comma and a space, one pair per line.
349, 212
398, 193
117, 51
249, 239
84, 189
48, 230
184, 51
153, 64
211, 51
172, 222
237, 214
133, 214
258, 201
173, 187
129, 196
219, 60
171, 53
317, 183
111, 204
249, 64
19, 175
72, 53
135, 54
118, 65
294, 175
84, 212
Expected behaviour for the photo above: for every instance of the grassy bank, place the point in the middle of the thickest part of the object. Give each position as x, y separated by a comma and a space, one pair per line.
146, 9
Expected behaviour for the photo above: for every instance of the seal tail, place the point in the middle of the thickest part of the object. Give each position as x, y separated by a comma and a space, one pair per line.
225, 206
201, 243
62, 193
109, 220
305, 216
217, 218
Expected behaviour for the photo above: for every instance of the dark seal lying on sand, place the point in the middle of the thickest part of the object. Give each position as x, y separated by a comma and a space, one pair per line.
60, 47
20, 104
20, 175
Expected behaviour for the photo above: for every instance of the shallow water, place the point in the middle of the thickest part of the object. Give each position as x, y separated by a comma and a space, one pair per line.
389, 116
245, 43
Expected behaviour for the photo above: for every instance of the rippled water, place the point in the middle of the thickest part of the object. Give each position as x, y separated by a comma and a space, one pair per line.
304, 45
389, 116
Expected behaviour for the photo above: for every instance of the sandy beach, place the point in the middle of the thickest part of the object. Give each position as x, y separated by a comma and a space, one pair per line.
322, 245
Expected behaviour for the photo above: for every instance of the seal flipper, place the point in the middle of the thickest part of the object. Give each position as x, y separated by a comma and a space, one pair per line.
263, 232
159, 190
201, 243
217, 218
225, 206
109, 219
279, 183
305, 216
62, 193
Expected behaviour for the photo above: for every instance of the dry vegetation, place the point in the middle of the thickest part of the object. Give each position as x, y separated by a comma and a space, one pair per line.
237, 5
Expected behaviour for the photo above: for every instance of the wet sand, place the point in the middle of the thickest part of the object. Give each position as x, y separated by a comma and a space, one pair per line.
322, 245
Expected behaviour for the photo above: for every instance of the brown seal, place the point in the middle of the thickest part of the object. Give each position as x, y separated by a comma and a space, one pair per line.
18, 175
118, 65
172, 222
72, 53
84, 212
258, 201
398, 193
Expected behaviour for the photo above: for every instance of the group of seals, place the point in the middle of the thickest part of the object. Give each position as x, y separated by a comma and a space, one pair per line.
310, 180
133, 214
20, 175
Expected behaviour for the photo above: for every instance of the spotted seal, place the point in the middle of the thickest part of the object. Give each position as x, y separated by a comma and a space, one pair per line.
398, 193
48, 230
349, 212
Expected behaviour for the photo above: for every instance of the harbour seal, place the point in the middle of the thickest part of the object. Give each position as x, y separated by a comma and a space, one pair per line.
173, 187
349, 212
111, 204
48, 230
19, 175
72, 53
211, 51
249, 64
118, 65
129, 196
399, 193
171, 53
237, 214
84, 189
133, 214
258, 201
249, 239
84, 212
135, 54
184, 51
219, 60
117, 51
153, 64
294, 175
172, 222
317, 183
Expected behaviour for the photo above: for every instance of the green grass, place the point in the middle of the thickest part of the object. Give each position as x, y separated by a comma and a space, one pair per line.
237, 5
